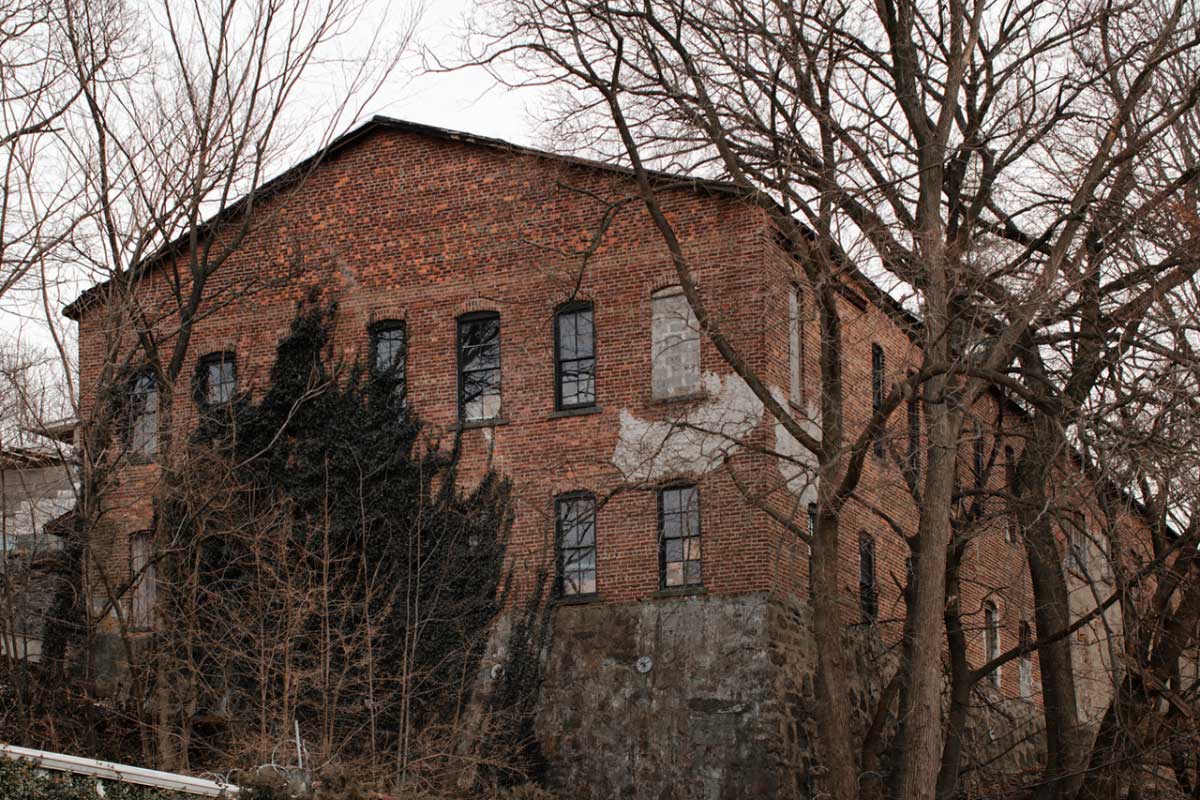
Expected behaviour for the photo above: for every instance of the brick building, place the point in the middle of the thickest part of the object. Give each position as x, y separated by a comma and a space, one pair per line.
473, 270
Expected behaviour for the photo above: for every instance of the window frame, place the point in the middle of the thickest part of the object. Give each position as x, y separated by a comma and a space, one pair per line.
143, 582
662, 541
796, 345
374, 330
878, 371
991, 639
149, 450
203, 385
1025, 664
868, 579
573, 307
1012, 524
560, 550
459, 323
912, 461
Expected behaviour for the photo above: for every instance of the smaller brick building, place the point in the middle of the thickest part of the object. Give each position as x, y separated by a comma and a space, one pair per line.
469, 272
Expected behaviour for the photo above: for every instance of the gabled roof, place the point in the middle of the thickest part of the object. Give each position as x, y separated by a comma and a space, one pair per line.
356, 135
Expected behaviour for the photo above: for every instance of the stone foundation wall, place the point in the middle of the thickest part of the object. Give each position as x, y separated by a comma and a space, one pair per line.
711, 698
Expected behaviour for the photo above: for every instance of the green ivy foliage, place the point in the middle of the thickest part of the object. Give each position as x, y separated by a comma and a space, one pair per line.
362, 495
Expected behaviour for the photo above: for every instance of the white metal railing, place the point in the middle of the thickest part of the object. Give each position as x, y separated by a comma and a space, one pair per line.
123, 773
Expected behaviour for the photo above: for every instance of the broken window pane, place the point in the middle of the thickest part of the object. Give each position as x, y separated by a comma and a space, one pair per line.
679, 536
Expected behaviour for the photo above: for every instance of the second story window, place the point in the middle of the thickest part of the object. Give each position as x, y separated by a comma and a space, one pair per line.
143, 573
143, 414
877, 375
991, 639
796, 344
216, 378
868, 597
1010, 486
576, 533
389, 356
913, 458
575, 358
479, 367
674, 345
679, 536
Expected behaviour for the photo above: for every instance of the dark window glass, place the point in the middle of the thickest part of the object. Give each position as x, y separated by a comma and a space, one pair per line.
679, 536
991, 639
1010, 485
868, 598
143, 414
575, 366
913, 461
576, 529
977, 456
479, 367
389, 356
877, 369
812, 519
216, 378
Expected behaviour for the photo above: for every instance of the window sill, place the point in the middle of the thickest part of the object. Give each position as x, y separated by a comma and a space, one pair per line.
582, 411
578, 599
140, 459
681, 591
481, 423
681, 398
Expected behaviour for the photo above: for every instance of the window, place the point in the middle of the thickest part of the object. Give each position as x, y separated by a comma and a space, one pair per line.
1010, 485
977, 455
913, 459
1025, 667
143, 574
389, 356
679, 536
868, 598
576, 534
812, 519
1077, 541
796, 343
877, 369
575, 365
991, 639
216, 378
143, 414
674, 345
479, 367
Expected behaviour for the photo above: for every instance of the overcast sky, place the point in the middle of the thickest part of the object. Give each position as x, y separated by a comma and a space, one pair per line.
467, 100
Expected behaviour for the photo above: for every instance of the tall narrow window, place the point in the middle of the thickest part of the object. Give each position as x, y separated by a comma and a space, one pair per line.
479, 367
389, 356
913, 459
812, 519
877, 372
991, 639
1025, 667
144, 576
679, 536
216, 378
796, 343
1010, 485
143, 414
868, 597
576, 529
575, 365
674, 345
977, 455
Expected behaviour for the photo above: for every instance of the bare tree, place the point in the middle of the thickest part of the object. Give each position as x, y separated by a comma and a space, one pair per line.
1008, 164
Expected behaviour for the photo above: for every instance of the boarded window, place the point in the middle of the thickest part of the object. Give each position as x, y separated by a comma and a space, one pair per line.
143, 573
991, 639
479, 367
143, 414
675, 345
1025, 668
575, 362
576, 529
679, 536
796, 344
